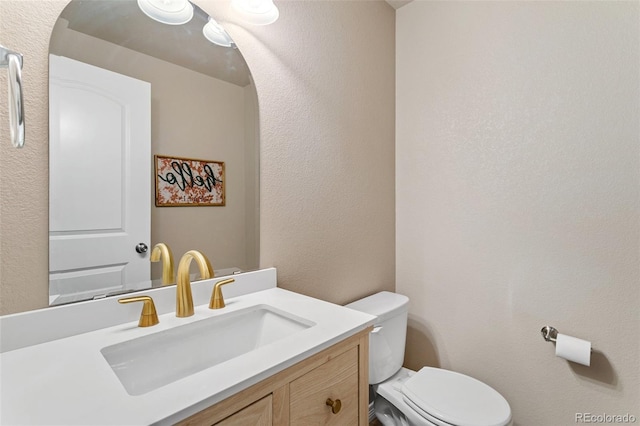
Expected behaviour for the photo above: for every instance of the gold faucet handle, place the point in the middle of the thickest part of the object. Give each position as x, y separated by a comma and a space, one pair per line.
148, 316
217, 300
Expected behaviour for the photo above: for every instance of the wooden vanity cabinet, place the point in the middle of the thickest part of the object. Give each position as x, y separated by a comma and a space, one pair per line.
329, 388
258, 414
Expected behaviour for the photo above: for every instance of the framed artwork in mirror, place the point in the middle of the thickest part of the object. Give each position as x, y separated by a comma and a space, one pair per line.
189, 182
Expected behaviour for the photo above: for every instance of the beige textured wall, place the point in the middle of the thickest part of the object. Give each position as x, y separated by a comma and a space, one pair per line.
325, 75
518, 169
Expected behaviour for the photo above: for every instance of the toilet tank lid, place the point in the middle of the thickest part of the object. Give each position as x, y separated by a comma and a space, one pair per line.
383, 305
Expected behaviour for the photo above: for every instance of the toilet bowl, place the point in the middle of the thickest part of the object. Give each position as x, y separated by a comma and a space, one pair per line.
430, 396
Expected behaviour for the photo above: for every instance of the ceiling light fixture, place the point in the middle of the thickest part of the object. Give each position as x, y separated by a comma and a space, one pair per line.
256, 12
171, 12
216, 34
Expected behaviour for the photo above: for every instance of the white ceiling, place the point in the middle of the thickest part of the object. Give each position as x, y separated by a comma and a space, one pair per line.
397, 4
123, 23
118, 21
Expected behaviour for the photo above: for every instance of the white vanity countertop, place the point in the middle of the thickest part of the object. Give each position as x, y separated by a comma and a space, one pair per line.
68, 381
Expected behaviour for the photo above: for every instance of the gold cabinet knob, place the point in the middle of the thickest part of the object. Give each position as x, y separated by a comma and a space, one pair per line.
336, 405
217, 301
148, 316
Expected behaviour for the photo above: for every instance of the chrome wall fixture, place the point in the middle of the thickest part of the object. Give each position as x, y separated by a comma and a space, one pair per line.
13, 61
549, 334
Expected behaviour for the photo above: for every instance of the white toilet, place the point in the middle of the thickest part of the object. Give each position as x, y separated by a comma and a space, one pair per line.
431, 396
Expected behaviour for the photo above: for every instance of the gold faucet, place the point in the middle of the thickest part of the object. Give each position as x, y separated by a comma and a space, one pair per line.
148, 316
217, 301
184, 299
163, 251
209, 268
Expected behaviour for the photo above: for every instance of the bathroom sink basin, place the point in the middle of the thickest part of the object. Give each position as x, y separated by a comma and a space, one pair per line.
150, 362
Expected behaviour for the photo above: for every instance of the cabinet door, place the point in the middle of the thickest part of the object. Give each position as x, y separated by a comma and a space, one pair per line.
256, 414
336, 380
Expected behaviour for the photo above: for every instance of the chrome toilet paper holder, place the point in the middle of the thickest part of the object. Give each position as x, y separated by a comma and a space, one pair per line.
549, 333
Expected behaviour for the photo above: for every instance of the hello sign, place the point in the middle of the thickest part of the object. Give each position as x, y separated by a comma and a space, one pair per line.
189, 182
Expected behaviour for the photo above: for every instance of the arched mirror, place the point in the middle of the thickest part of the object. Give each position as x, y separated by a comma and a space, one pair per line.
153, 139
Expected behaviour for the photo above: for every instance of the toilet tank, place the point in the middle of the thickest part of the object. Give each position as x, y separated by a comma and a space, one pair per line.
387, 340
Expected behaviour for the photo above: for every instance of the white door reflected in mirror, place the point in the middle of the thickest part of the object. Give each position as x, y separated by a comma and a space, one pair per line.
100, 141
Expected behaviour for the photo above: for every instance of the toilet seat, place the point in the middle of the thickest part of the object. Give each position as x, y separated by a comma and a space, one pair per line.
448, 398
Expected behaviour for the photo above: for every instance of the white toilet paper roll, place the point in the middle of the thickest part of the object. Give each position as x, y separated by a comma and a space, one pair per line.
573, 349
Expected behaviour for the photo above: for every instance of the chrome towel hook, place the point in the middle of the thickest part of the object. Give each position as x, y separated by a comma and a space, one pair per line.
13, 61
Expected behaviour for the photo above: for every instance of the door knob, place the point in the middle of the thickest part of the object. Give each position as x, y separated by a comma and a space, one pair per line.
142, 248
